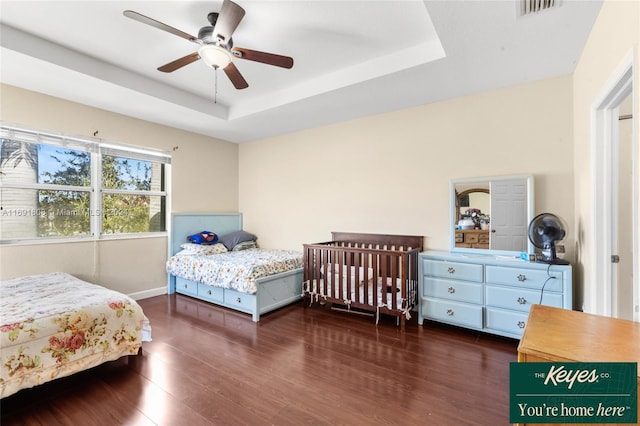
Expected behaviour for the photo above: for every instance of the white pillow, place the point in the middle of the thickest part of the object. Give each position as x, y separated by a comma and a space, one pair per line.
192, 248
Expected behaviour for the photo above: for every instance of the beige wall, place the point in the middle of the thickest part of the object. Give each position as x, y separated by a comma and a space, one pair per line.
390, 173
127, 265
615, 35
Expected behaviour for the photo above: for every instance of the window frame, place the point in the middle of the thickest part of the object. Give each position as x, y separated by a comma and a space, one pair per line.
97, 148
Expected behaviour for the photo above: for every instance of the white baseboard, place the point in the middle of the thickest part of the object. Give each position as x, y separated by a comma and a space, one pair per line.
148, 293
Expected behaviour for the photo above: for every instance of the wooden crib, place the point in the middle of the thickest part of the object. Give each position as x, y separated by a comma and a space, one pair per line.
365, 273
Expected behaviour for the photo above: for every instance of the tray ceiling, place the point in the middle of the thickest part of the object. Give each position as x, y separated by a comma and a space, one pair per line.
352, 58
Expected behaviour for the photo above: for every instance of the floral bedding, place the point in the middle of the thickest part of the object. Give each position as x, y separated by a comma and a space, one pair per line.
237, 270
54, 325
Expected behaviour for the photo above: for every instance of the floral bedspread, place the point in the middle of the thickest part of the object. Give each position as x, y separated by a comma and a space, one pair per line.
237, 270
53, 325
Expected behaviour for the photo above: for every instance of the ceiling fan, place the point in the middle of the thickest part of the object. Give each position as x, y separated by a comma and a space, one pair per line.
216, 45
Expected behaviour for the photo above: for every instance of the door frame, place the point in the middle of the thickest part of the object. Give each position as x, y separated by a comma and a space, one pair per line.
604, 129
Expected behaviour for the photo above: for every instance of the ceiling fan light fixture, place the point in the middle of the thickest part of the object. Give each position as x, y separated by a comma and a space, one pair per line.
215, 56
215, 43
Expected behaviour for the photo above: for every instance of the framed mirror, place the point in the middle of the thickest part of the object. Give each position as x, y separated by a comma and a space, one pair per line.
491, 215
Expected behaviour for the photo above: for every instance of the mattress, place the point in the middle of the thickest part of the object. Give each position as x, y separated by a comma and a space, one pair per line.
314, 287
236, 270
54, 325
356, 275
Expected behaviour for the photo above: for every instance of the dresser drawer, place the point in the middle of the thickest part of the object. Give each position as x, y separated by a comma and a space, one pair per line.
453, 270
520, 299
453, 290
506, 321
453, 312
186, 287
241, 301
210, 293
471, 238
522, 277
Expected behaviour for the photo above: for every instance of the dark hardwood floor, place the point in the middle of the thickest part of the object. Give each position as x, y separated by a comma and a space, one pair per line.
208, 365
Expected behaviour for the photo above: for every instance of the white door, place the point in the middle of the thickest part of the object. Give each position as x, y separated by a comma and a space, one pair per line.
622, 214
614, 288
508, 215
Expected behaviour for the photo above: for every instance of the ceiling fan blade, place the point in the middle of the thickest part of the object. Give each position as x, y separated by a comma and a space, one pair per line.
236, 78
228, 20
162, 26
264, 57
179, 63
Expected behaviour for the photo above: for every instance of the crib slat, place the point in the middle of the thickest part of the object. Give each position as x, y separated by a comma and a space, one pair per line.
328, 260
367, 279
394, 281
339, 270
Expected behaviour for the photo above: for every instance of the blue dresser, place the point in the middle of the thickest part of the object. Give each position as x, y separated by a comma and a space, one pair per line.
489, 293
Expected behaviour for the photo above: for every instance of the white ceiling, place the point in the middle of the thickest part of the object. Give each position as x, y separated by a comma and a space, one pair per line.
352, 58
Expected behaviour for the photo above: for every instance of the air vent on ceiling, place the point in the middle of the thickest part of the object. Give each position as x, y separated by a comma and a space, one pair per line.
528, 7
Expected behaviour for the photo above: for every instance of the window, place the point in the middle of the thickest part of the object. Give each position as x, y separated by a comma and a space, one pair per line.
59, 187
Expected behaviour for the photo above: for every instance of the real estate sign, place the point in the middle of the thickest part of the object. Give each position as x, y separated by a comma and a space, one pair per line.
573, 392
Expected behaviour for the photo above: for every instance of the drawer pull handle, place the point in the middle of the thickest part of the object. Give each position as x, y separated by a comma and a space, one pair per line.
522, 278
450, 312
451, 290
238, 300
521, 324
451, 270
209, 292
185, 286
522, 300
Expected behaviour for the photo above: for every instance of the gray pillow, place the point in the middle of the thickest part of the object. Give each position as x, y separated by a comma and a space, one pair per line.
234, 238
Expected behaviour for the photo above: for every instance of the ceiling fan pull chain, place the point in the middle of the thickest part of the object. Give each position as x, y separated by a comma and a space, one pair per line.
215, 94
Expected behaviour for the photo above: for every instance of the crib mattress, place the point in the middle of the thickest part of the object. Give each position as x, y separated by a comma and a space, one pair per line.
236, 270
54, 325
315, 288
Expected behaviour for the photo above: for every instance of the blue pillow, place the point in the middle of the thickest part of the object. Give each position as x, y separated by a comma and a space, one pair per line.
204, 237
235, 238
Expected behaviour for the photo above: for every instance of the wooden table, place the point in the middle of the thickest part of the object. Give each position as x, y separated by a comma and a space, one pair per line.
553, 335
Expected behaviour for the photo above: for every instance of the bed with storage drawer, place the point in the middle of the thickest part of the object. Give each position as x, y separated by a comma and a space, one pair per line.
364, 273
251, 280
489, 293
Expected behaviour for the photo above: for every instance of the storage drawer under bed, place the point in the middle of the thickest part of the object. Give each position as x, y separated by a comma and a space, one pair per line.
186, 287
240, 301
210, 293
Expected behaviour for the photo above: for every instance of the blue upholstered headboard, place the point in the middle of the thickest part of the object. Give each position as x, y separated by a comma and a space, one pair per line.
184, 224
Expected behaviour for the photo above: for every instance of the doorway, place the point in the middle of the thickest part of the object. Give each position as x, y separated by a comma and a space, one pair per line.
622, 214
613, 288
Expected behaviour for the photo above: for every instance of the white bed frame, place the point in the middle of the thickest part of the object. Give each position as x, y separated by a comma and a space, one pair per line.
273, 292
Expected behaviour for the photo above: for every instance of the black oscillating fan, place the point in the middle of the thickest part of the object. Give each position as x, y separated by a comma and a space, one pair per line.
545, 230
